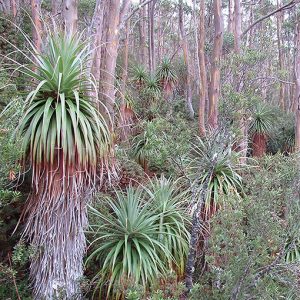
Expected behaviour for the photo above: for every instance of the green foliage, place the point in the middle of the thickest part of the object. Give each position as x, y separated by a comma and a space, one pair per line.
58, 115
249, 235
162, 142
215, 159
169, 203
152, 89
262, 120
139, 75
127, 246
228, 42
13, 277
283, 134
136, 235
165, 74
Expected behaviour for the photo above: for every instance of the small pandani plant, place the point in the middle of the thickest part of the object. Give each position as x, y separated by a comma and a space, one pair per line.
260, 128
166, 76
140, 235
139, 76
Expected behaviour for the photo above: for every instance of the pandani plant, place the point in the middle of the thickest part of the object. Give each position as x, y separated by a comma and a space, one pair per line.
141, 234
214, 160
261, 125
170, 203
152, 89
212, 169
66, 144
126, 243
166, 76
139, 76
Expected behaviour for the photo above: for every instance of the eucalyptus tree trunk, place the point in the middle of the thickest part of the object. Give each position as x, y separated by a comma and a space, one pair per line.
202, 69
110, 42
13, 5
297, 91
70, 16
113, 18
37, 25
230, 17
237, 26
251, 32
96, 31
214, 93
142, 35
279, 19
125, 112
125, 61
187, 62
151, 11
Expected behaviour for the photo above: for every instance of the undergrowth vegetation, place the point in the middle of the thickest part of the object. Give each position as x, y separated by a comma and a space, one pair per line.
129, 200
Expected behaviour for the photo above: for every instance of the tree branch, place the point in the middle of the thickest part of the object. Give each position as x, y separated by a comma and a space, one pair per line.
137, 9
286, 6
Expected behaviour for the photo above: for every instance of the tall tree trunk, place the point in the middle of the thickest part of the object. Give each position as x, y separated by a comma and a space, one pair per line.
251, 31
279, 17
202, 69
297, 91
113, 18
214, 92
96, 30
187, 62
109, 58
142, 35
13, 5
55, 4
37, 25
243, 145
151, 11
230, 27
237, 26
125, 112
70, 16
125, 62
159, 35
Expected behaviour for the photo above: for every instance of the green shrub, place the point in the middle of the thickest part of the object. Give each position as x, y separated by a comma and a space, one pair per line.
139, 235
246, 248
162, 142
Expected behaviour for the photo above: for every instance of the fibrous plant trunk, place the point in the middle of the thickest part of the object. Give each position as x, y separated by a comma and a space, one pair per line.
196, 234
56, 218
259, 144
